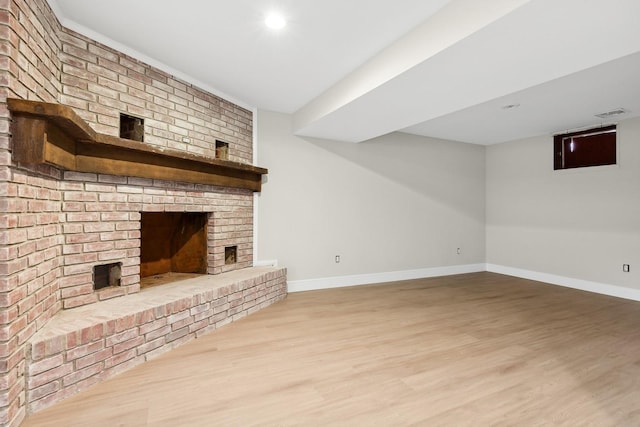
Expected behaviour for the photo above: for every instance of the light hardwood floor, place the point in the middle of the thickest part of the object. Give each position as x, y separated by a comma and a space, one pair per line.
478, 349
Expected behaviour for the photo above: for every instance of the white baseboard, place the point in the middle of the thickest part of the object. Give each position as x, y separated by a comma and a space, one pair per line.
392, 276
568, 282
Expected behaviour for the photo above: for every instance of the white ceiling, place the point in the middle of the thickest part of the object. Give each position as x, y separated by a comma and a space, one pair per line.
352, 70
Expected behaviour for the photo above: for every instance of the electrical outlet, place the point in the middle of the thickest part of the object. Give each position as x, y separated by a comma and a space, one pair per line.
458, 251
625, 268
337, 259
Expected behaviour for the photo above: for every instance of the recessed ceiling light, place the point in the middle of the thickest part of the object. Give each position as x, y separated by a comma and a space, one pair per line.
275, 21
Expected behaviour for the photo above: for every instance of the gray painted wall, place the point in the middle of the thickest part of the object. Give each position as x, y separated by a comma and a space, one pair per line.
395, 203
580, 223
402, 202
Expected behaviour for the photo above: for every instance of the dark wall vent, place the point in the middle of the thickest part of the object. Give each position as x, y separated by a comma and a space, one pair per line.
131, 127
106, 275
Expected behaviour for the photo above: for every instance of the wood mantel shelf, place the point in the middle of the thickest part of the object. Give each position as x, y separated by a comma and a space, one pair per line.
54, 134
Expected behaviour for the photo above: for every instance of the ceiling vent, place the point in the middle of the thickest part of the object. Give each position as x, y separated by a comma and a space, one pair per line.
612, 113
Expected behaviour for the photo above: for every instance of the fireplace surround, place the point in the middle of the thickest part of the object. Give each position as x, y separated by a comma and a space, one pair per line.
176, 226
155, 212
75, 195
158, 217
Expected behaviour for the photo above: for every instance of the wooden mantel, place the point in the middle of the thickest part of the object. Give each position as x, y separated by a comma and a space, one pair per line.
54, 134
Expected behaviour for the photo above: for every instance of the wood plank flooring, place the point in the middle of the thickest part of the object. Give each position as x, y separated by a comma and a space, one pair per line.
477, 349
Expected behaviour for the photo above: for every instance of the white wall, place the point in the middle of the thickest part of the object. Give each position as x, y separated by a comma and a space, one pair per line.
580, 224
395, 203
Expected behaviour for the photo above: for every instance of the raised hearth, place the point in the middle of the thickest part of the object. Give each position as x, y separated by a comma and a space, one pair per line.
83, 346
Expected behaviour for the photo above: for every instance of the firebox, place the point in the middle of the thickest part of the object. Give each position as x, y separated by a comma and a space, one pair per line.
173, 245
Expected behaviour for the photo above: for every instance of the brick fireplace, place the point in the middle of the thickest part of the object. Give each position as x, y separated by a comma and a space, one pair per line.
97, 229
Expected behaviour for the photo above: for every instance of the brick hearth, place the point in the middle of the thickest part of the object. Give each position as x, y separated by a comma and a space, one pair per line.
85, 345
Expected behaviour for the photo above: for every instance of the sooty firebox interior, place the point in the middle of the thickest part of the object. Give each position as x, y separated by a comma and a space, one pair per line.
173, 245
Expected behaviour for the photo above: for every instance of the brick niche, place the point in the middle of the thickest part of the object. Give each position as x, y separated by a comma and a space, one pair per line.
56, 225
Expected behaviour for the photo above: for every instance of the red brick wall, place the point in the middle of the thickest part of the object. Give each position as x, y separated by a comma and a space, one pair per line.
30, 202
100, 83
55, 226
29, 55
102, 225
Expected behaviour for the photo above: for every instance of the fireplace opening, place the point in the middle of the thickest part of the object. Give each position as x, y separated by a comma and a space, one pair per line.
106, 275
173, 246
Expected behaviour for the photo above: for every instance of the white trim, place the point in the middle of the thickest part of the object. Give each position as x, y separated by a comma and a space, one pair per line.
256, 195
568, 282
266, 263
392, 276
366, 279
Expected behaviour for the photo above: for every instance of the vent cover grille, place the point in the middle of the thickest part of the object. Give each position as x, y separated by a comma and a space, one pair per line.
616, 112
